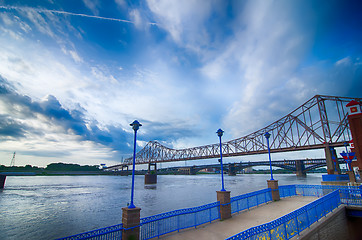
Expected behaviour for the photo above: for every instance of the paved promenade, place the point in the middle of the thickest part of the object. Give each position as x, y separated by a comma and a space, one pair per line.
242, 221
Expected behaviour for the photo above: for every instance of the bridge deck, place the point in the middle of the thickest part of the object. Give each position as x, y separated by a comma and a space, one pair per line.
240, 222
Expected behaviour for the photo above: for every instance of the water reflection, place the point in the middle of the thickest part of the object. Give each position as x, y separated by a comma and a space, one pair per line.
151, 186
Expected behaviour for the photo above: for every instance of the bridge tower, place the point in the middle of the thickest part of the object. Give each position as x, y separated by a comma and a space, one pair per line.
355, 125
12, 164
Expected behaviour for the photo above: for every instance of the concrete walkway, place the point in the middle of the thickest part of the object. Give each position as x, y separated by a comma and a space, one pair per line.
242, 221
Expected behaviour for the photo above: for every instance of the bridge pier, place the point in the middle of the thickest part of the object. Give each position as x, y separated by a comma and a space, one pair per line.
151, 175
300, 168
332, 166
232, 169
124, 172
192, 170
2, 181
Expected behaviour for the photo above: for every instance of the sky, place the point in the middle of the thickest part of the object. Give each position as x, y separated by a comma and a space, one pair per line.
75, 74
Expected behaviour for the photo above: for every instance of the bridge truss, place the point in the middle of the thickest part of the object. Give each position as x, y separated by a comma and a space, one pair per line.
319, 121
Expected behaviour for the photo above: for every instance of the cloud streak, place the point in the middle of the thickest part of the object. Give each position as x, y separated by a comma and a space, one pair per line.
40, 10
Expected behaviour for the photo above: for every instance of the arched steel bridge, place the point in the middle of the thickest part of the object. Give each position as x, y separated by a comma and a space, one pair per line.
318, 123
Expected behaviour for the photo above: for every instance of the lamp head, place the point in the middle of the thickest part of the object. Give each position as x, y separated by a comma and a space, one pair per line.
220, 132
267, 135
135, 125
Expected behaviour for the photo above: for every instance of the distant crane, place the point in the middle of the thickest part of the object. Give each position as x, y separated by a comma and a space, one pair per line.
12, 164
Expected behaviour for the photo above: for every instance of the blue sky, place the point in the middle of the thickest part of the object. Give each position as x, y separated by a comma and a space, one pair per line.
75, 74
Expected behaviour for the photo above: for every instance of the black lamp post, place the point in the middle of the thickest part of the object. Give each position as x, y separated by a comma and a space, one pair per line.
220, 133
135, 125
267, 136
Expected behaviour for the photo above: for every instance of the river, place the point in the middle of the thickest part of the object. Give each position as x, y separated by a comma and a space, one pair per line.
49, 207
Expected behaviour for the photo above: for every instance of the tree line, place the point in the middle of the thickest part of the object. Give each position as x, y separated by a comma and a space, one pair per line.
53, 167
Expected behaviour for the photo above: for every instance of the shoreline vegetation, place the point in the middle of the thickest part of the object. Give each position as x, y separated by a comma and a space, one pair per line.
57, 169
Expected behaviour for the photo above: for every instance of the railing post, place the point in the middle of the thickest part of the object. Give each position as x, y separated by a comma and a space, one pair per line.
270, 236
158, 229
131, 223
195, 219
210, 215
308, 222
265, 197
178, 223
225, 207
285, 230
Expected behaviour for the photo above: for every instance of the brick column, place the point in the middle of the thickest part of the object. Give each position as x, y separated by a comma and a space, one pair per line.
2, 181
224, 198
273, 185
352, 177
131, 218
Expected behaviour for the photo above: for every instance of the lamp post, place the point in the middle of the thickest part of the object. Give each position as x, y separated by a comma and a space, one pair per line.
220, 133
348, 161
135, 125
267, 136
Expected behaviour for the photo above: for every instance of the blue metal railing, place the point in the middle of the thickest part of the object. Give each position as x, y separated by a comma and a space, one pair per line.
287, 191
157, 225
293, 223
350, 195
249, 200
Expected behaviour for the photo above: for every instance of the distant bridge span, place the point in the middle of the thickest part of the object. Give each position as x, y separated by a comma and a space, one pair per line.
320, 123
305, 165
